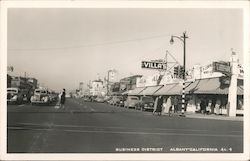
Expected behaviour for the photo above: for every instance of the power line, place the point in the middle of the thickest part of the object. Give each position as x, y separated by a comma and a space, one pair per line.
92, 45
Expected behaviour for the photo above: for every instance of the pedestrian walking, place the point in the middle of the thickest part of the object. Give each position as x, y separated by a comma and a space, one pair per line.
165, 105
155, 104
159, 106
209, 107
203, 106
217, 106
63, 99
169, 105
175, 104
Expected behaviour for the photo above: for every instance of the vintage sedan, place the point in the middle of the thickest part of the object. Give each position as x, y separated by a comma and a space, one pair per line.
41, 96
145, 103
14, 96
131, 101
99, 99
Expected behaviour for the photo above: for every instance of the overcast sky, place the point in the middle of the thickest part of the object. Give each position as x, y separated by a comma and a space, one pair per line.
62, 47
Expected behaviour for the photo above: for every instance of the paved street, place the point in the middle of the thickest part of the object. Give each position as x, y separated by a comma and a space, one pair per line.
86, 127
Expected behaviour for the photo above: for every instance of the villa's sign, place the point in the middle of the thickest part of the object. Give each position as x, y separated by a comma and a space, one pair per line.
153, 65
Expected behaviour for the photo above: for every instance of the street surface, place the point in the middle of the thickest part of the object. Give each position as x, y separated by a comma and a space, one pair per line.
91, 127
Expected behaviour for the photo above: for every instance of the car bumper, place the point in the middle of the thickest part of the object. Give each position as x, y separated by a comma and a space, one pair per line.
148, 107
39, 102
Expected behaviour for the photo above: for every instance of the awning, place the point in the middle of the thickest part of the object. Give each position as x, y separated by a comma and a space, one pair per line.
177, 89
136, 91
164, 90
207, 86
150, 90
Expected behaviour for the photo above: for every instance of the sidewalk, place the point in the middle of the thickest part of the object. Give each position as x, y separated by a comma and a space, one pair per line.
211, 116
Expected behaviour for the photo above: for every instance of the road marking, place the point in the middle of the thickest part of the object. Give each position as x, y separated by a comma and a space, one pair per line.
21, 105
127, 132
116, 127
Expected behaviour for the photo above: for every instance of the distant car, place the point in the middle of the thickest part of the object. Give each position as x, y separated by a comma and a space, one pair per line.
92, 98
41, 96
99, 99
145, 103
131, 101
86, 99
120, 102
110, 100
53, 97
14, 96
116, 100
107, 98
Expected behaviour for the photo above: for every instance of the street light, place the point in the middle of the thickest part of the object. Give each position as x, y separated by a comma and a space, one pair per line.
182, 39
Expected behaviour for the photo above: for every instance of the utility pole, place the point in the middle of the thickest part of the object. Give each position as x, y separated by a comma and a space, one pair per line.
183, 39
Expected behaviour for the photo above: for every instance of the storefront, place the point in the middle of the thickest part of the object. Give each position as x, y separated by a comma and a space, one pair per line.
214, 93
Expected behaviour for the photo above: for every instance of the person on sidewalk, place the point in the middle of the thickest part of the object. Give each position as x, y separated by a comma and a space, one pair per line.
175, 104
203, 106
170, 104
158, 106
166, 104
63, 99
155, 104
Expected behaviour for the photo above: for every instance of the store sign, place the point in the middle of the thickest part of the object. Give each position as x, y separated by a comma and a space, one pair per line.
153, 65
240, 72
222, 67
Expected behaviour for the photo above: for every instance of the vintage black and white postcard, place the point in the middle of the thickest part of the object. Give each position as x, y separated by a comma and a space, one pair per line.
124, 80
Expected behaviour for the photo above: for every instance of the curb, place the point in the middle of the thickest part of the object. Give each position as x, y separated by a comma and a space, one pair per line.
211, 117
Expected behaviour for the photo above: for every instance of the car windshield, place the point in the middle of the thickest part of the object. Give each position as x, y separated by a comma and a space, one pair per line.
147, 99
12, 90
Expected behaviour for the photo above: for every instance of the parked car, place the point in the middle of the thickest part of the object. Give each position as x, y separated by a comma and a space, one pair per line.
116, 100
131, 101
14, 96
99, 99
145, 103
41, 96
107, 98
111, 100
120, 102
86, 99
53, 97
92, 98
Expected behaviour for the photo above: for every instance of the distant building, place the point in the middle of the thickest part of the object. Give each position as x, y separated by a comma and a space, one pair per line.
112, 76
129, 83
33, 82
97, 88
20, 82
115, 88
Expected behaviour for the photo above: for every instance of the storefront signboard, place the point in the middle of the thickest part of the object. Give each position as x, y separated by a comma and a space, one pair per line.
154, 65
222, 67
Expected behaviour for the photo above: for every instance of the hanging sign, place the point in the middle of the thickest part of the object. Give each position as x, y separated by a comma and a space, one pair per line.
153, 65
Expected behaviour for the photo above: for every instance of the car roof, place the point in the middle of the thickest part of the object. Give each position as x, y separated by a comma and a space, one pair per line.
12, 88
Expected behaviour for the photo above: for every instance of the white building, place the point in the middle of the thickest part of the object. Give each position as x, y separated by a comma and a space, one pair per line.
97, 88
